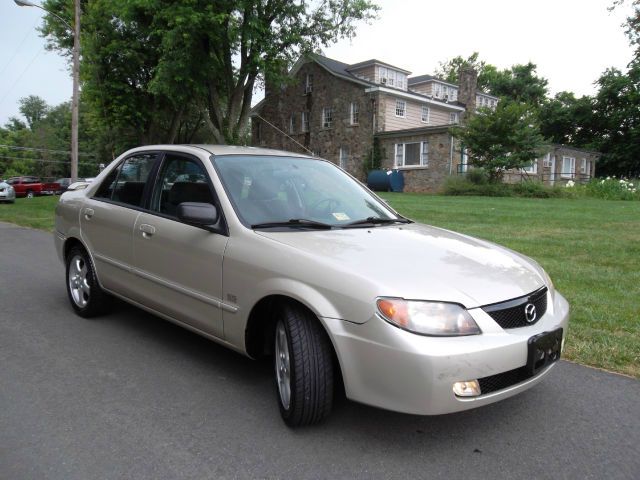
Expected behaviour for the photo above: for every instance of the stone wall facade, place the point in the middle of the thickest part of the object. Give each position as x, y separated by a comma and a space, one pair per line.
549, 167
327, 91
443, 157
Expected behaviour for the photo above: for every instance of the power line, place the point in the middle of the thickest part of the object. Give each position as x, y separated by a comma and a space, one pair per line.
6, 93
283, 133
46, 150
42, 160
15, 52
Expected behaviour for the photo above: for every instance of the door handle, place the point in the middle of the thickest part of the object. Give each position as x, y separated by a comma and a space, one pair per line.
88, 213
147, 230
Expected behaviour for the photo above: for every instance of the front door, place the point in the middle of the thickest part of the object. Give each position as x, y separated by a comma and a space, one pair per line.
107, 220
178, 267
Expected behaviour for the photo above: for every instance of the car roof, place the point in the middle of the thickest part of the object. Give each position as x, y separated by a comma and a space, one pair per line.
223, 150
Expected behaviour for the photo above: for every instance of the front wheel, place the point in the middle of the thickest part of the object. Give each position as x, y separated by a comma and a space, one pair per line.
303, 368
86, 296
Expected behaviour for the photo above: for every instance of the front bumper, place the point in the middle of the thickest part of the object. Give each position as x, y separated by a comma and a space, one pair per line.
7, 196
390, 368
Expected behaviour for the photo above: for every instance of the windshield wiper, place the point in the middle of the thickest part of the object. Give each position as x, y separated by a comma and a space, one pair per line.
294, 222
377, 221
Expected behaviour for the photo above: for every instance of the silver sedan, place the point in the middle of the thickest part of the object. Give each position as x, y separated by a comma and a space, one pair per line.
7, 193
281, 255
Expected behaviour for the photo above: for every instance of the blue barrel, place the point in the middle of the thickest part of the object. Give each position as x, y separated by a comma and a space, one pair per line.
378, 181
396, 181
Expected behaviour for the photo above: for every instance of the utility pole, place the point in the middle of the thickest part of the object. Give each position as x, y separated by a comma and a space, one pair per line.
75, 99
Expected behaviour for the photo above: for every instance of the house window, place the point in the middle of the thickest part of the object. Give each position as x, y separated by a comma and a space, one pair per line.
415, 154
532, 168
399, 154
391, 78
425, 114
258, 131
437, 90
546, 161
454, 117
583, 166
308, 83
355, 113
292, 123
464, 161
401, 108
305, 121
568, 167
327, 117
344, 156
382, 75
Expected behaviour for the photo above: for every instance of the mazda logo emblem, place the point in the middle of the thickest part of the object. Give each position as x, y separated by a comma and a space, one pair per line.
530, 313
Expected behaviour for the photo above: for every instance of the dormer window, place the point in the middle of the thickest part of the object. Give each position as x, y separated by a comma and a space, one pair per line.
392, 78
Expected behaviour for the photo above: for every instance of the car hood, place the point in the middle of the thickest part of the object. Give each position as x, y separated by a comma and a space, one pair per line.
417, 261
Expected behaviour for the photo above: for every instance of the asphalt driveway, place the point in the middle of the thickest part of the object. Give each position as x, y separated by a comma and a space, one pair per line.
131, 396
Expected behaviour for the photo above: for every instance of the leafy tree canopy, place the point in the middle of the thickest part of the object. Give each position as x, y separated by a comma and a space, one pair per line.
616, 122
34, 109
150, 63
501, 139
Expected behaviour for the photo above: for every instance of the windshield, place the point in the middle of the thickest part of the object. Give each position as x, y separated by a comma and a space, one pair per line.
267, 189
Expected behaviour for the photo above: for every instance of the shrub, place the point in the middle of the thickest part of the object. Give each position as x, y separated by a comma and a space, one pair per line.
477, 176
611, 188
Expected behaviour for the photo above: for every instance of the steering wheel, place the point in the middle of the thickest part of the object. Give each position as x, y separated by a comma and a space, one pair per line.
324, 207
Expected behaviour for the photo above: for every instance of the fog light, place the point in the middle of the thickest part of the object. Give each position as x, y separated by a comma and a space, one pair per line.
470, 388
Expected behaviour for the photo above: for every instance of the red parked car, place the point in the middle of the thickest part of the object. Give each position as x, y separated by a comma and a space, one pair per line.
32, 186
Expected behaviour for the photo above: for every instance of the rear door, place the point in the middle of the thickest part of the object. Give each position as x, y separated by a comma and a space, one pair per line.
179, 266
107, 220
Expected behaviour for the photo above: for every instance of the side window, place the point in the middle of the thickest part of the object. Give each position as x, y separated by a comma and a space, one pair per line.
181, 180
108, 185
126, 184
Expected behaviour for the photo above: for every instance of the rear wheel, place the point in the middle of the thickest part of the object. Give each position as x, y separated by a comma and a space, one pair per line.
303, 368
86, 296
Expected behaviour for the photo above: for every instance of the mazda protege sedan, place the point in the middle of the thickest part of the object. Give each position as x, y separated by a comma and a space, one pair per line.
278, 254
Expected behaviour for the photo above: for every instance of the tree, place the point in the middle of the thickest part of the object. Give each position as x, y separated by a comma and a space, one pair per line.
501, 139
147, 63
34, 109
617, 121
449, 69
518, 83
566, 119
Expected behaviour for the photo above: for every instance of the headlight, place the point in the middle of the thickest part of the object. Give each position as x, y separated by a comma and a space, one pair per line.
427, 318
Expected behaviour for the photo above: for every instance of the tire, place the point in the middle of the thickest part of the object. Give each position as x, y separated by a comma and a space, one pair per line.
303, 364
85, 294
29, 194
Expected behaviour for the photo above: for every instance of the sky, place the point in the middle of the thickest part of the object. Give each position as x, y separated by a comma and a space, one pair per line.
571, 41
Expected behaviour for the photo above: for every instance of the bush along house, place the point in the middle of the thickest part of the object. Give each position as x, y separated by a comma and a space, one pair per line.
339, 111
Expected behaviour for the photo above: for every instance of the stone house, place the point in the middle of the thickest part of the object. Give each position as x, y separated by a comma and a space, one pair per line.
558, 165
337, 111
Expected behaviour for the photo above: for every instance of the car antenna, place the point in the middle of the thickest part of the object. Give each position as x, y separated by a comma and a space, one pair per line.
285, 134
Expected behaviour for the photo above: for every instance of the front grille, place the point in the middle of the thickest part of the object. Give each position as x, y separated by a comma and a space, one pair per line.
502, 380
511, 314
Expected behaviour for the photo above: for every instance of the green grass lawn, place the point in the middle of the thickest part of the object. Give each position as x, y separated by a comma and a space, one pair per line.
589, 247
30, 212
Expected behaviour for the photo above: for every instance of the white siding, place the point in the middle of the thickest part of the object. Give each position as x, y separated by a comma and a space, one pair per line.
413, 118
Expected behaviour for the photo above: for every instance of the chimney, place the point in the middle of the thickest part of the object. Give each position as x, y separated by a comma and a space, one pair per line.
468, 79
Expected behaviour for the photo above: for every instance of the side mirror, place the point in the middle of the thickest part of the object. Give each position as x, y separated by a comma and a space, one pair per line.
200, 214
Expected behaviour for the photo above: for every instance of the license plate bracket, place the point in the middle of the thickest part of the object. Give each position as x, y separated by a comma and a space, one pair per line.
543, 350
